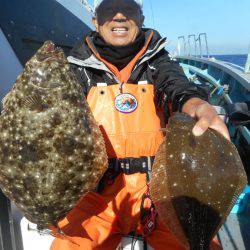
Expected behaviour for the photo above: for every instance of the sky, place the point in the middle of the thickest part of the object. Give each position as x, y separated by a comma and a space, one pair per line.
226, 22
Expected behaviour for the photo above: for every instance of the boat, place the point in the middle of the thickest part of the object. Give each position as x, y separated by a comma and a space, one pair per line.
26, 24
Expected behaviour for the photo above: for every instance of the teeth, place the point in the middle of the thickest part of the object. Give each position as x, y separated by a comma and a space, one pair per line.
119, 29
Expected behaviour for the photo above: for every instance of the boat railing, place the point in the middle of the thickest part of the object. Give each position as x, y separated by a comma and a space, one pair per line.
187, 47
247, 66
197, 46
190, 45
182, 45
204, 35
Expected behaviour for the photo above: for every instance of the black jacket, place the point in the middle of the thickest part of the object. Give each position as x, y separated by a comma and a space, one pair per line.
155, 66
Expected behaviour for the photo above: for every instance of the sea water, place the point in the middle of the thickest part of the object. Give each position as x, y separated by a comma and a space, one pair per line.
235, 59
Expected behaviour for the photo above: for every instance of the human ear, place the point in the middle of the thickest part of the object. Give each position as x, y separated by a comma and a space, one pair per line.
142, 20
95, 23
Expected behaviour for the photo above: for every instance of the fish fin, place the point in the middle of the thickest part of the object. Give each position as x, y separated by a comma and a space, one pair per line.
160, 157
5, 100
33, 102
161, 195
242, 177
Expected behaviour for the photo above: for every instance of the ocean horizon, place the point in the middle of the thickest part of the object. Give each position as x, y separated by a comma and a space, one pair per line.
238, 59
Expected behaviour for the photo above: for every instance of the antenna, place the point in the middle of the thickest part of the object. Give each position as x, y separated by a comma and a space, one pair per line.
87, 6
152, 12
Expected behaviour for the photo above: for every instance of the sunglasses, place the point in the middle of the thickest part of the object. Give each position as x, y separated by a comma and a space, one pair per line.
110, 8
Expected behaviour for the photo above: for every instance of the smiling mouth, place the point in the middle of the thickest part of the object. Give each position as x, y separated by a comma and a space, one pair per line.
119, 30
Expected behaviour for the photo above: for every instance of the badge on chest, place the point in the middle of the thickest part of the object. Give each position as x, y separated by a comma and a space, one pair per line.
126, 103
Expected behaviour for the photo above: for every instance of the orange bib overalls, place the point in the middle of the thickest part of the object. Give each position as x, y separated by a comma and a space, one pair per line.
101, 219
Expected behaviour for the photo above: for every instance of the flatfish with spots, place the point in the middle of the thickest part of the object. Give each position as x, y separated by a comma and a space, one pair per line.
195, 182
51, 149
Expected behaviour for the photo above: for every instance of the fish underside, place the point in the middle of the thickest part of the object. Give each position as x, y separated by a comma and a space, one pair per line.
195, 182
51, 149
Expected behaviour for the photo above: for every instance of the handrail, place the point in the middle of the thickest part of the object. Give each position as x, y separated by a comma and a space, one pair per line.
189, 45
199, 39
205, 37
179, 44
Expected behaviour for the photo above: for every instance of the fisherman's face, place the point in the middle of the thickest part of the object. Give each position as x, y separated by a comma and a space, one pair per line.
118, 21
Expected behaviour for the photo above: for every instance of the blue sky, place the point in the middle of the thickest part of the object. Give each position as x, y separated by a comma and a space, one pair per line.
227, 22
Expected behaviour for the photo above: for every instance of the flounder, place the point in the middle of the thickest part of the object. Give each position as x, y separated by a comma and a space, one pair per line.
51, 149
195, 182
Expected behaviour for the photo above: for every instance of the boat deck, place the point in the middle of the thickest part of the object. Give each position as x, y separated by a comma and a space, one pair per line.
235, 233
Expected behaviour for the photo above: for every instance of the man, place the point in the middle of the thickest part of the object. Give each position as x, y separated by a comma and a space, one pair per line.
132, 86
